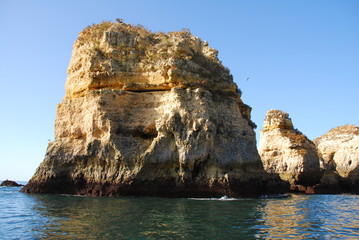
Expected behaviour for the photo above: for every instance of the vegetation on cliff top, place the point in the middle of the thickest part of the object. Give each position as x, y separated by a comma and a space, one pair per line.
130, 56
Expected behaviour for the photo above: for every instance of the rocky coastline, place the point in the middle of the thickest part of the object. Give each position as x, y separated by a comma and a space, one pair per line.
329, 164
156, 114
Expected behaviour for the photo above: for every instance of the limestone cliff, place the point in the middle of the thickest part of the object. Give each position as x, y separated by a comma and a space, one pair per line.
287, 151
339, 150
150, 114
122, 56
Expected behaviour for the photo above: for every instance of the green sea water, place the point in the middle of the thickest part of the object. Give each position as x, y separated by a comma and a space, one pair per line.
27, 216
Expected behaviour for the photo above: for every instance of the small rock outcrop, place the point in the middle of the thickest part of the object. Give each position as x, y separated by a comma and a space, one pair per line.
151, 114
287, 151
9, 183
339, 151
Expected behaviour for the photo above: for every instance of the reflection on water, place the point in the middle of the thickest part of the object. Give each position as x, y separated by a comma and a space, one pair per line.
145, 218
311, 217
27, 216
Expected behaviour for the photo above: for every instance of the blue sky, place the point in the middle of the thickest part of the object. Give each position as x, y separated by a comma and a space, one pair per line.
301, 57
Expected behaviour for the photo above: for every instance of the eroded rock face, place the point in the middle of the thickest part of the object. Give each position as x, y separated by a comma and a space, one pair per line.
121, 56
150, 114
287, 151
339, 150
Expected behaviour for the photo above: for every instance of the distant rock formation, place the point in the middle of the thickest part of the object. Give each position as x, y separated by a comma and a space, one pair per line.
10, 183
151, 114
287, 151
339, 151
329, 164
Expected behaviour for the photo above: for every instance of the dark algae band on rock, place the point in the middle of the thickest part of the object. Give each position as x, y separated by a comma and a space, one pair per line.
151, 114
251, 187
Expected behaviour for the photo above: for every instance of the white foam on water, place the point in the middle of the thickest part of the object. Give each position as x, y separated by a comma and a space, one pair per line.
224, 198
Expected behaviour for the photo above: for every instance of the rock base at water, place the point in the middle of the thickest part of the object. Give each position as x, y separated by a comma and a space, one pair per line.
250, 186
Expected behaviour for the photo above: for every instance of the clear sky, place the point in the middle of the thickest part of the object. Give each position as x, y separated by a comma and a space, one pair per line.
301, 57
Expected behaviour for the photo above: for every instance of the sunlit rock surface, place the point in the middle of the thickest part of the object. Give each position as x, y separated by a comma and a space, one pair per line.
339, 151
151, 114
287, 151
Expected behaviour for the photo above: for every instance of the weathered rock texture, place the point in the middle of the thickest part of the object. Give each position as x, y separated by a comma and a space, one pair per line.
150, 114
120, 56
287, 151
339, 151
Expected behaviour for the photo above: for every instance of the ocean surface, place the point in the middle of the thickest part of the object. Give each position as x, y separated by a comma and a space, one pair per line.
28, 216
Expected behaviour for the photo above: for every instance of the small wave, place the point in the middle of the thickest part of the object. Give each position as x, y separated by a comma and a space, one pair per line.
275, 196
224, 198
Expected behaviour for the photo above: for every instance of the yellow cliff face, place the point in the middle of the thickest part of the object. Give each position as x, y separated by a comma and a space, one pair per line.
150, 114
339, 149
329, 164
286, 151
121, 56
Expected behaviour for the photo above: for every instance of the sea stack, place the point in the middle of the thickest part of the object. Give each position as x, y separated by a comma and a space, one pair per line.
288, 152
151, 114
339, 151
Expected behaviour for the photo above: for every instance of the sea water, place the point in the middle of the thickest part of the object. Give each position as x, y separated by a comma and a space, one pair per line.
32, 216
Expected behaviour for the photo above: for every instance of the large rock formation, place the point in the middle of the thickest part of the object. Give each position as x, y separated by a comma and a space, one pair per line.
287, 151
150, 114
339, 150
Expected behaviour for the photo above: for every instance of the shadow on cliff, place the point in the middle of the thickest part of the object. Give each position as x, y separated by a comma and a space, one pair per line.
353, 179
333, 183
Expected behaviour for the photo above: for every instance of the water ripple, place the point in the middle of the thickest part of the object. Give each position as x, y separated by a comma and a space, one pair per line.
24, 216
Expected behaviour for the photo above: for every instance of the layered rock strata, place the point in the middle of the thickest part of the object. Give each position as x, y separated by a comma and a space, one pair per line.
287, 151
150, 114
339, 151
